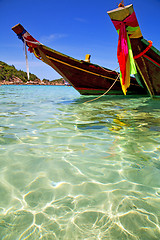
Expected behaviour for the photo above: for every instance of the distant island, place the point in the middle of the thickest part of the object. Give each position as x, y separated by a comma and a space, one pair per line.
9, 75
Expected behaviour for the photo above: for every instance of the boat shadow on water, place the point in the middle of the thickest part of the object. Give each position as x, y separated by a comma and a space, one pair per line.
93, 98
114, 113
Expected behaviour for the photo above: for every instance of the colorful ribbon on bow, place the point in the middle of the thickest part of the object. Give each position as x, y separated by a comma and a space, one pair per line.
128, 28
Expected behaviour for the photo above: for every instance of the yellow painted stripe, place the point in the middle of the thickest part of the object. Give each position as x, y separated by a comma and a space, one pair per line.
79, 68
144, 80
86, 70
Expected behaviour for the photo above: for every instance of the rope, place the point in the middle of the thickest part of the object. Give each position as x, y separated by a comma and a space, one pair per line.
107, 70
146, 50
99, 66
33, 42
103, 93
27, 65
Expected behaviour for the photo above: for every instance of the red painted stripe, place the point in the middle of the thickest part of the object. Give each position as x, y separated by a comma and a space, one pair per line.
90, 89
151, 60
142, 53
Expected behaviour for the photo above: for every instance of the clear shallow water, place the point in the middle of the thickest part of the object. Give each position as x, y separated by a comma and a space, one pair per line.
70, 170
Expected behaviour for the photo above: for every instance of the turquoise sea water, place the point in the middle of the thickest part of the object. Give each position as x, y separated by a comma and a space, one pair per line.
74, 171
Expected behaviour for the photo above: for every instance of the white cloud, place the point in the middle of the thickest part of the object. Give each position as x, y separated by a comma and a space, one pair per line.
52, 37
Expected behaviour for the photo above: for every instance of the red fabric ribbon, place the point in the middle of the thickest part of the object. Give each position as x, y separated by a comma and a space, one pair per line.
122, 50
131, 21
31, 42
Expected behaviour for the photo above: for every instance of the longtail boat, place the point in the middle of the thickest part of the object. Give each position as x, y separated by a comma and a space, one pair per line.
145, 57
87, 78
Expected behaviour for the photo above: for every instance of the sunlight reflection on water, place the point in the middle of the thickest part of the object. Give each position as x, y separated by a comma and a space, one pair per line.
78, 171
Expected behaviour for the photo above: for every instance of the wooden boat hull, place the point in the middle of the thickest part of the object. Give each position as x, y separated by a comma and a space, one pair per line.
148, 65
147, 62
85, 77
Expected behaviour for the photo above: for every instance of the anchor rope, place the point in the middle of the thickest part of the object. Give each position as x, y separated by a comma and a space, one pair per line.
26, 56
105, 91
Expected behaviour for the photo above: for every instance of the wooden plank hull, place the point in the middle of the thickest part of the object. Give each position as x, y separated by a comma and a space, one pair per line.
86, 78
148, 62
148, 65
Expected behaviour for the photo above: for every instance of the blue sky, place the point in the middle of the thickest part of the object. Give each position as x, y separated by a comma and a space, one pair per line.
75, 28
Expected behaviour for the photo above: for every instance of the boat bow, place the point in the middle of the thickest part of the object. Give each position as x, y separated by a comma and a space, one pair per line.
145, 56
87, 78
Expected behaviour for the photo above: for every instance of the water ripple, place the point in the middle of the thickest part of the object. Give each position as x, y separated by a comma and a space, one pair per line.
78, 171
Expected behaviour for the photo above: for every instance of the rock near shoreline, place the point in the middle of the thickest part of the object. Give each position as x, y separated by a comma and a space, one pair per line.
9, 75
18, 81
